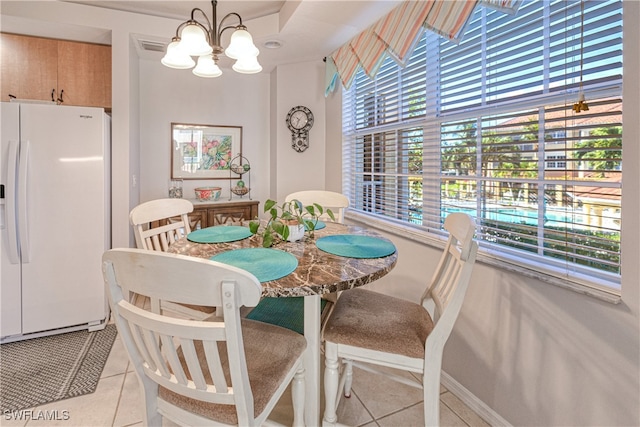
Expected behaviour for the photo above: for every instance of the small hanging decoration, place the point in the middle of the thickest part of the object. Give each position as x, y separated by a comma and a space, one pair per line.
581, 105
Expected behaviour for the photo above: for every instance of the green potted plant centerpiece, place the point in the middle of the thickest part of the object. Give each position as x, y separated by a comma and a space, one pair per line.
288, 221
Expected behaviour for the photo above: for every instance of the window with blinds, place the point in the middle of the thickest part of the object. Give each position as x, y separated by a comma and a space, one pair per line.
487, 127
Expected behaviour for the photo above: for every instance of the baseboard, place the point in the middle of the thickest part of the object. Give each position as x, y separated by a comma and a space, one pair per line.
469, 399
22, 337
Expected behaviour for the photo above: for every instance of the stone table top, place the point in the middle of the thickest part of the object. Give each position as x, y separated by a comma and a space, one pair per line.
318, 272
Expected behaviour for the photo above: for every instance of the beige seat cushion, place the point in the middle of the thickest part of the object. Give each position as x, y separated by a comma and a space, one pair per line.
372, 320
271, 352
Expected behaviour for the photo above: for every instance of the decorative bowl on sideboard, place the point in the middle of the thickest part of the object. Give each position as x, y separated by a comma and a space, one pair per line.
205, 194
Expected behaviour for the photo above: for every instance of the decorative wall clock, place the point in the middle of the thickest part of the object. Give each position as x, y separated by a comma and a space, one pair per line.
299, 122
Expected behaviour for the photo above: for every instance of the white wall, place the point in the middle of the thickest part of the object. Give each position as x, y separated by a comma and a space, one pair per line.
333, 155
258, 103
168, 95
299, 84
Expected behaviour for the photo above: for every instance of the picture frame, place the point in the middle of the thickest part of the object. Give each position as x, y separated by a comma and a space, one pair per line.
204, 151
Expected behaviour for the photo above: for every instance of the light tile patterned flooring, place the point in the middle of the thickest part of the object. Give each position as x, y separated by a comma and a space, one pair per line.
375, 401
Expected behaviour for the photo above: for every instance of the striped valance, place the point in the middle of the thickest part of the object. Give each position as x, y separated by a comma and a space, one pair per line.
396, 34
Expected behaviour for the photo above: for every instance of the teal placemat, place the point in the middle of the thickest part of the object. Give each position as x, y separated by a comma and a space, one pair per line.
355, 246
264, 263
219, 234
319, 225
287, 312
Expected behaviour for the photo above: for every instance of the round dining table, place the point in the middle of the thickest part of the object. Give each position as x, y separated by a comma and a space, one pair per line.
317, 273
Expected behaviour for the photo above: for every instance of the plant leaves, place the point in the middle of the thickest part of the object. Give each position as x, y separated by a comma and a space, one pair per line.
267, 239
281, 229
287, 216
269, 204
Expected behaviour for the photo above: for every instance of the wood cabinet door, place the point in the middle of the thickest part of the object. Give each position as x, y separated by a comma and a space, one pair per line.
84, 73
198, 219
229, 215
29, 67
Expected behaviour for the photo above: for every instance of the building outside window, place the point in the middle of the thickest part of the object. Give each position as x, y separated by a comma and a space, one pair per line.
556, 162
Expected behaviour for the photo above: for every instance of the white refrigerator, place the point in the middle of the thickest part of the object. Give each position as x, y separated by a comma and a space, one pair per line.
54, 218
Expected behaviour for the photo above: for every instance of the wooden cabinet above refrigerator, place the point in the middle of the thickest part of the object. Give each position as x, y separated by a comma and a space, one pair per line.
48, 69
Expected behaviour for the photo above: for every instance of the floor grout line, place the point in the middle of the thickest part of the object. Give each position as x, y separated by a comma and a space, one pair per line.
353, 393
397, 412
453, 410
115, 414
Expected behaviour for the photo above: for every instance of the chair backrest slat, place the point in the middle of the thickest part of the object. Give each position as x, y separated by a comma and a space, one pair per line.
191, 358
215, 366
137, 334
446, 288
171, 353
151, 342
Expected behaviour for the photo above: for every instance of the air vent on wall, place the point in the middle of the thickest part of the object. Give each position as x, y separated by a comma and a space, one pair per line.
152, 46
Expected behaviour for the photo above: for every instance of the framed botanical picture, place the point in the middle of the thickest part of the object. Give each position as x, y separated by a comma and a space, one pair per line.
203, 151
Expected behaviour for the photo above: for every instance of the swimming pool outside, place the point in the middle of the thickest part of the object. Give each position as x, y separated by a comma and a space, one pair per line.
529, 216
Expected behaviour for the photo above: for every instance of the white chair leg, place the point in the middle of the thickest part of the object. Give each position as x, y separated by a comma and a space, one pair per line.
331, 380
151, 415
348, 377
297, 395
431, 390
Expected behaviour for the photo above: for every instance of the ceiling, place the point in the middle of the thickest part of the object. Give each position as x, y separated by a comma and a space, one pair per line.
306, 30
182, 9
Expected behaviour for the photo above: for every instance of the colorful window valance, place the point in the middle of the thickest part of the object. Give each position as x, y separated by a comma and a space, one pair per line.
396, 34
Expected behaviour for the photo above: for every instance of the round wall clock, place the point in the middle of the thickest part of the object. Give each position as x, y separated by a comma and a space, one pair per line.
299, 119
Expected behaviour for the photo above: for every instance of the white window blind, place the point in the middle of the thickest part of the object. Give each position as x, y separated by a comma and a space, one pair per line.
487, 127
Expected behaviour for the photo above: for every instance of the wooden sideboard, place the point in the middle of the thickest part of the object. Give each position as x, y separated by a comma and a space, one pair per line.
208, 214
220, 212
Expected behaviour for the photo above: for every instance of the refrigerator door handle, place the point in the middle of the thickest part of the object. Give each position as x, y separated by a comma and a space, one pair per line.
10, 203
23, 228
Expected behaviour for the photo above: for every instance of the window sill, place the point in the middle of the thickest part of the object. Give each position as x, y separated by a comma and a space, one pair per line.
595, 290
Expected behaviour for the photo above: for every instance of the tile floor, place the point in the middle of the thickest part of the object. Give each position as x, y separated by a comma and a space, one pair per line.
116, 402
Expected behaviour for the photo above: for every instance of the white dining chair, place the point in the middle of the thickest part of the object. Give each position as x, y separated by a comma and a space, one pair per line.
369, 328
289, 312
171, 217
231, 371
337, 202
159, 238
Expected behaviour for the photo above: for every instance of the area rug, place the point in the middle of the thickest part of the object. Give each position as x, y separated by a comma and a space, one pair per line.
56, 367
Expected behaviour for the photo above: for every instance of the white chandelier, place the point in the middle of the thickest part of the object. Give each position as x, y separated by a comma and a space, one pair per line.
204, 41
